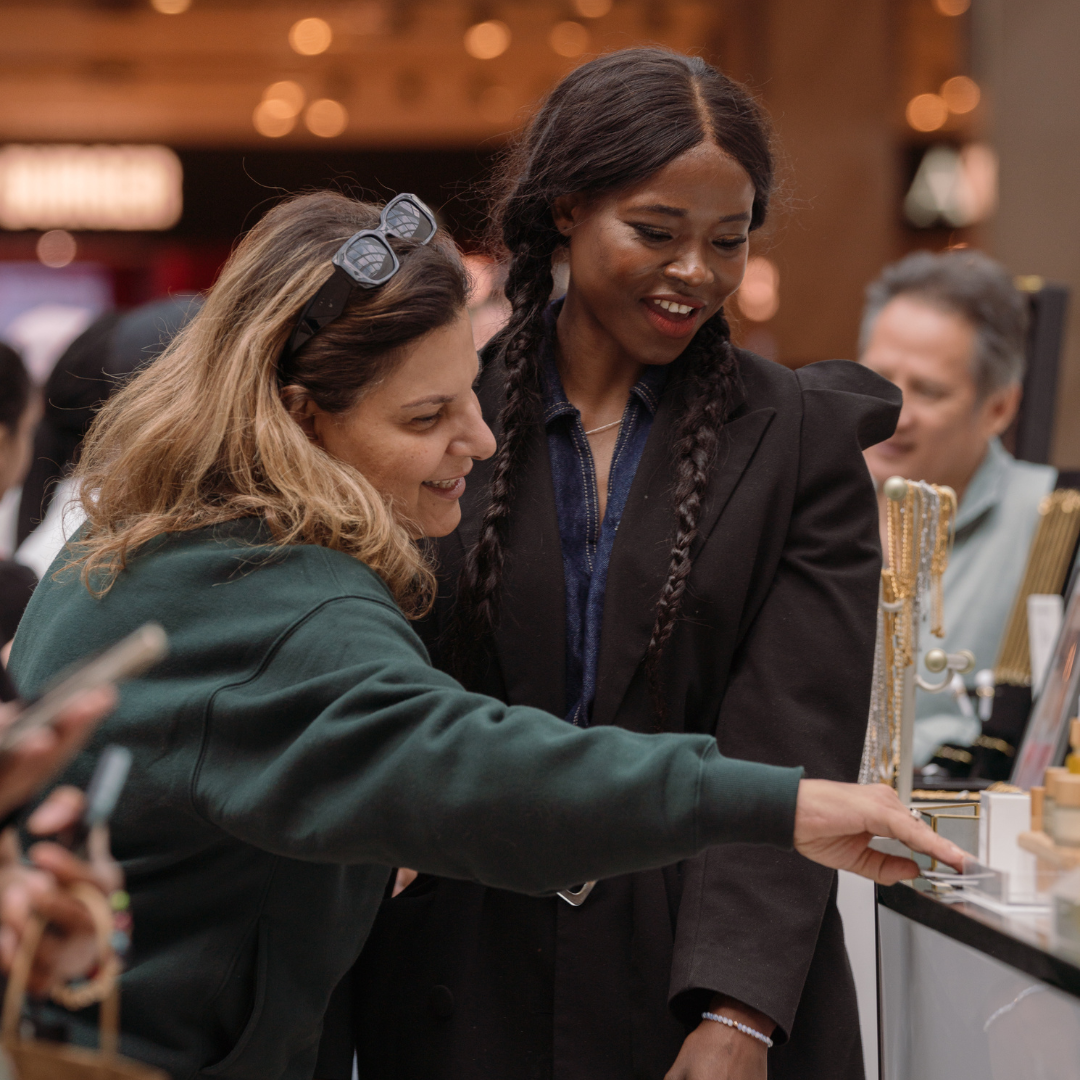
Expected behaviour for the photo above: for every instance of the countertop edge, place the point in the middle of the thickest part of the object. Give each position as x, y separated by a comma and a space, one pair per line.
973, 929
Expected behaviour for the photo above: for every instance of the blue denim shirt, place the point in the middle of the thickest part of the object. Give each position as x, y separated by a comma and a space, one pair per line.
586, 542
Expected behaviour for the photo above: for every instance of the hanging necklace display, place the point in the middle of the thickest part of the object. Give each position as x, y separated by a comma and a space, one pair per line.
920, 520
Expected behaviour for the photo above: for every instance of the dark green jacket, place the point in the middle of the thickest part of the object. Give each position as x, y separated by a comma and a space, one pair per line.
295, 745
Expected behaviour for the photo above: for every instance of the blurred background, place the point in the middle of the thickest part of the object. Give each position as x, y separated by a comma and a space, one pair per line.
139, 138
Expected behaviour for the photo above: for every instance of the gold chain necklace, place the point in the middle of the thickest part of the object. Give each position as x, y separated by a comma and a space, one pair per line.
605, 427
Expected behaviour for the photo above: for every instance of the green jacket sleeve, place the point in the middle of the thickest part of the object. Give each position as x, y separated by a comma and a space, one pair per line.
347, 746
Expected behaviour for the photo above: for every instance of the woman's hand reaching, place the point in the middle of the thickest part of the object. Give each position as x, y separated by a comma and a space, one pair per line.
834, 824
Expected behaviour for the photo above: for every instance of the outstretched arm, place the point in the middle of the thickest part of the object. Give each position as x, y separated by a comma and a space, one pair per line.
351, 748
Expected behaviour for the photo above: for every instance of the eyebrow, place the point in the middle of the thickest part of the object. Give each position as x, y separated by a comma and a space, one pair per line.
675, 211
437, 399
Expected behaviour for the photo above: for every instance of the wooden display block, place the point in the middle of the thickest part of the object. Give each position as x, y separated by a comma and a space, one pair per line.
1057, 855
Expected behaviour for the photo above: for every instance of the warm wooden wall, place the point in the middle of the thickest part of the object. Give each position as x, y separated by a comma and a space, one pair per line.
828, 79
834, 75
1026, 55
116, 69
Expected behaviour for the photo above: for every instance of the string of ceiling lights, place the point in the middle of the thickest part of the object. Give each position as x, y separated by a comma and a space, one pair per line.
955, 182
285, 102
957, 96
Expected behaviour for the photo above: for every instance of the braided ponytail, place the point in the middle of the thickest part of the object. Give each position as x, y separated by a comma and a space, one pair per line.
609, 124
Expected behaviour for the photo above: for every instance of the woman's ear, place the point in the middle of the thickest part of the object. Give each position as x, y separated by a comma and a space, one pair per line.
302, 409
566, 212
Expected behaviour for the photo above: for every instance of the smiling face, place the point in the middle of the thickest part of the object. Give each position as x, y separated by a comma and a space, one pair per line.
944, 426
416, 433
651, 263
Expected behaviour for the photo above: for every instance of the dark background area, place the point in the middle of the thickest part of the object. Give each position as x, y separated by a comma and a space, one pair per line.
225, 191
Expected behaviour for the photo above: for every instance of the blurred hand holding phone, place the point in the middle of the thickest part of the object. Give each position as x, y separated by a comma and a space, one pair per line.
124, 660
39, 737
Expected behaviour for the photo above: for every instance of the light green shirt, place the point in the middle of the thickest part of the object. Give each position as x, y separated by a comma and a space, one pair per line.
995, 524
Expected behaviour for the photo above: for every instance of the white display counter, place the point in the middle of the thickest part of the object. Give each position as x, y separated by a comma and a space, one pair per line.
967, 993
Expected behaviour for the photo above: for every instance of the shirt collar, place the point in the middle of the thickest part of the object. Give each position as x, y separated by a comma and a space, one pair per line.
647, 389
987, 487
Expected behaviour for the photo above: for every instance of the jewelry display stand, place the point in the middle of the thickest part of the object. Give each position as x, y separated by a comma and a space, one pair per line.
920, 531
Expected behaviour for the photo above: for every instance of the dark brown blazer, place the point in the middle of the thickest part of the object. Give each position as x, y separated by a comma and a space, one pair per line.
773, 654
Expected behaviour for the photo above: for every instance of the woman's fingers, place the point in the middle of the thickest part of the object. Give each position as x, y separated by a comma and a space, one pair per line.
41, 753
64, 914
834, 824
70, 935
883, 868
15, 906
896, 821
101, 870
58, 861
68, 947
61, 810
75, 723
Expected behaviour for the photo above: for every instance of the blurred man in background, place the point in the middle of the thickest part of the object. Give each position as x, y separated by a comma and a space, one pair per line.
949, 330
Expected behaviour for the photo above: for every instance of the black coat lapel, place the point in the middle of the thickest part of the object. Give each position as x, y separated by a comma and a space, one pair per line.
531, 636
642, 549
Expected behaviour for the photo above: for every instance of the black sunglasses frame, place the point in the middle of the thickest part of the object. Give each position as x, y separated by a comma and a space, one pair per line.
330, 300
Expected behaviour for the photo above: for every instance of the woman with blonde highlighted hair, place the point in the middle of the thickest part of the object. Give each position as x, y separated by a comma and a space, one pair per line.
260, 490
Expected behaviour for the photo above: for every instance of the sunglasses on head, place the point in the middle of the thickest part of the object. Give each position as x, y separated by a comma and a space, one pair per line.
365, 259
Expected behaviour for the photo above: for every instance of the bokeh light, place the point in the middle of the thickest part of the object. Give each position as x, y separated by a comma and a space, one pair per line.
326, 118
952, 7
759, 293
56, 248
288, 95
960, 94
486, 40
569, 39
927, 112
592, 9
273, 119
309, 37
170, 7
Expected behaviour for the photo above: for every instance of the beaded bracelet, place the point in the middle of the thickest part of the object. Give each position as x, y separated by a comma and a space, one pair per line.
744, 1028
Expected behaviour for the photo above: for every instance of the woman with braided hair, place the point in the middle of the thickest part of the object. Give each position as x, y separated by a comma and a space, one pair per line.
674, 534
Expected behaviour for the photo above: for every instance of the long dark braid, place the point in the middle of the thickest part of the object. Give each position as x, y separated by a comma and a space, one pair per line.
609, 124
706, 397
528, 287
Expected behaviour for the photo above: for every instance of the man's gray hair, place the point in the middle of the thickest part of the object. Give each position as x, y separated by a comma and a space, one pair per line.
972, 285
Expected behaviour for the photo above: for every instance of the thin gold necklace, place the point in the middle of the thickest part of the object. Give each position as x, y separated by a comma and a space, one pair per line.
605, 427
